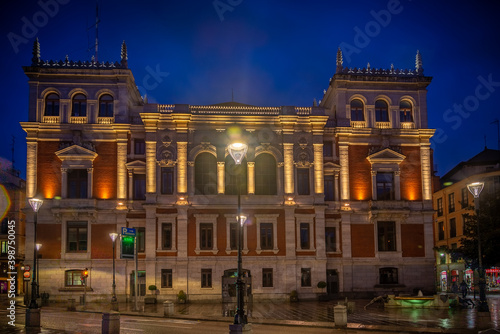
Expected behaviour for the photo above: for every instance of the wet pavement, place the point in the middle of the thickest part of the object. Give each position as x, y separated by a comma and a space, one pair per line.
319, 314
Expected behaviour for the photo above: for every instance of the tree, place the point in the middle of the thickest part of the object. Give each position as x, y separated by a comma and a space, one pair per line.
489, 228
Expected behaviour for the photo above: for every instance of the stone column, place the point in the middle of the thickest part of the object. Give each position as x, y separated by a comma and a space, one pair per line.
374, 185
344, 172
150, 165
319, 183
31, 168
288, 167
64, 183
130, 185
90, 182
397, 185
220, 177
251, 177
121, 169
182, 167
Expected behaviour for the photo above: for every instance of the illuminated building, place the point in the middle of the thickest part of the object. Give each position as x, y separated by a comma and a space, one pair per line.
337, 192
452, 203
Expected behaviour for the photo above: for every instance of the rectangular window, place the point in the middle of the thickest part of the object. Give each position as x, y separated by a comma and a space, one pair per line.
453, 228
440, 206
140, 186
329, 188
451, 202
77, 183
267, 277
166, 235
166, 278
266, 236
388, 275
303, 181
454, 256
233, 236
206, 236
328, 148
386, 236
330, 239
139, 146
206, 278
465, 198
76, 237
441, 231
304, 236
141, 238
4, 248
464, 223
73, 278
385, 183
305, 278
167, 180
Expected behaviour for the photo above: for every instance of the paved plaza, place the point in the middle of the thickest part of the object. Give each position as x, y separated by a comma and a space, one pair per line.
308, 315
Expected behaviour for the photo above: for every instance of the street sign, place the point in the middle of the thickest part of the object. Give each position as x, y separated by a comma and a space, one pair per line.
27, 267
27, 274
128, 231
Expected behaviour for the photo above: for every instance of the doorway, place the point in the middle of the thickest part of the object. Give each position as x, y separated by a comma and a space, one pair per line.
332, 282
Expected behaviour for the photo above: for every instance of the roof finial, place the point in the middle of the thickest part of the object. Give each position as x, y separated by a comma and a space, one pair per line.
340, 60
418, 63
124, 55
315, 103
35, 61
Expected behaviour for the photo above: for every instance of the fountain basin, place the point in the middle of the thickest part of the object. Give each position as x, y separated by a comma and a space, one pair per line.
435, 301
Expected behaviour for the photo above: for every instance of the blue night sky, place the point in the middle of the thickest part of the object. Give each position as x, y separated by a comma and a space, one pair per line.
271, 53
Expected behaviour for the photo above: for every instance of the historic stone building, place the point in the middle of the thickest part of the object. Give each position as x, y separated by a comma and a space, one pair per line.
337, 192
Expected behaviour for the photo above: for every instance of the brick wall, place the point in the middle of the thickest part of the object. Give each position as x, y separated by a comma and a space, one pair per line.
49, 235
411, 174
359, 173
105, 178
412, 240
48, 170
362, 240
101, 245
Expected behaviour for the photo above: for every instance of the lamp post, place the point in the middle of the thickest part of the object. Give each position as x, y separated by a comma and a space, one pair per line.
114, 301
475, 189
35, 205
238, 152
38, 246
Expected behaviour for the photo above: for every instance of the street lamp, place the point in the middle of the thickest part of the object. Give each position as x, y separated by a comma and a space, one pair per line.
475, 189
38, 246
114, 301
237, 152
35, 205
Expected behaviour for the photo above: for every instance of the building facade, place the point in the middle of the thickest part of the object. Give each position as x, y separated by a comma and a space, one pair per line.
453, 203
12, 227
338, 192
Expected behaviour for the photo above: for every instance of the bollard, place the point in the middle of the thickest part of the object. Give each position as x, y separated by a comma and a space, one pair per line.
71, 304
340, 315
168, 308
111, 323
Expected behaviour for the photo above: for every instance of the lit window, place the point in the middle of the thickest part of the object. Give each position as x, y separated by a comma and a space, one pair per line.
405, 112
52, 105
205, 174
386, 236
76, 236
357, 113
451, 202
388, 275
267, 277
106, 106
265, 175
381, 111
166, 278
73, 278
79, 106
439, 204
206, 278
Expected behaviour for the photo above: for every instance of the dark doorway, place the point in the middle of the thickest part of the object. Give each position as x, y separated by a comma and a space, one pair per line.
141, 281
332, 282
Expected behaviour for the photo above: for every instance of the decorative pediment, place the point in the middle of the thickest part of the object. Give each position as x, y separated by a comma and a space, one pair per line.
386, 156
76, 152
136, 165
330, 168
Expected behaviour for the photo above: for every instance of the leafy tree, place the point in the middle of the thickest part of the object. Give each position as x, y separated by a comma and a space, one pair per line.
489, 228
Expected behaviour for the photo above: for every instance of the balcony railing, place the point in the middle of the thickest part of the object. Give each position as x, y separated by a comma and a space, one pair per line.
50, 119
105, 120
407, 125
78, 119
358, 124
383, 125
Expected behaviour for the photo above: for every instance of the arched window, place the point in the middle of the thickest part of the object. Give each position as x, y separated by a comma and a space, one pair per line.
357, 113
235, 176
405, 112
205, 174
265, 175
381, 111
79, 106
106, 106
52, 105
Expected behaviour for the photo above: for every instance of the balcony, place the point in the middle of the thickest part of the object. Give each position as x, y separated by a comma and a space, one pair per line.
407, 125
383, 125
105, 120
78, 119
358, 124
50, 119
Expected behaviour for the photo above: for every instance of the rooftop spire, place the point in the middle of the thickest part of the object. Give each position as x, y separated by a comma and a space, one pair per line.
418, 63
124, 55
340, 60
36, 53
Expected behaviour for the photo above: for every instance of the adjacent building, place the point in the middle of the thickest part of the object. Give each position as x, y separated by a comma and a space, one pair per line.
453, 203
338, 192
